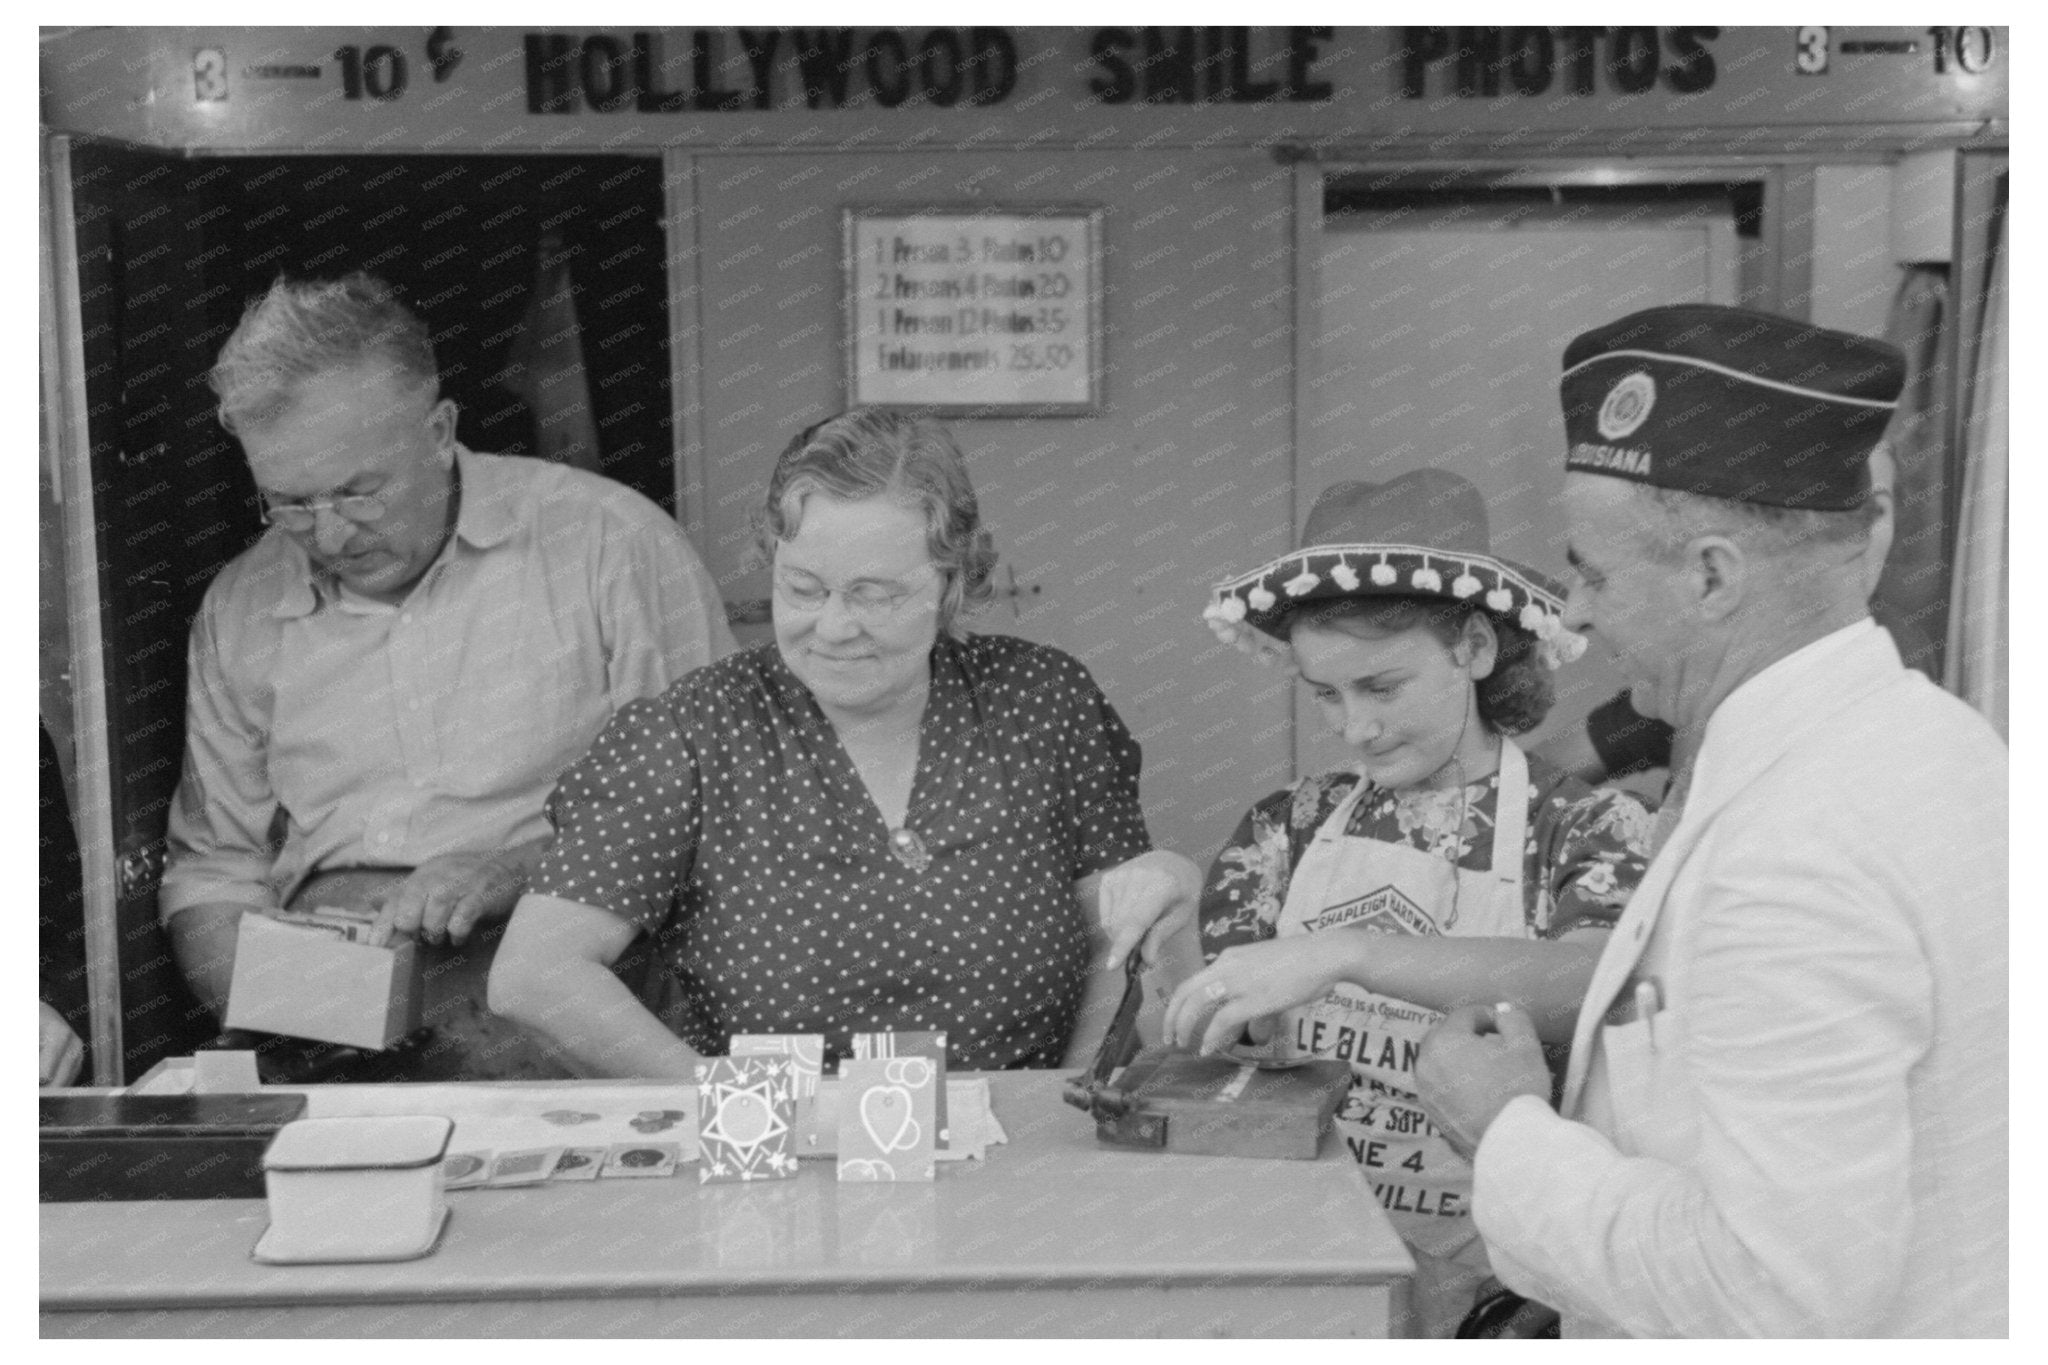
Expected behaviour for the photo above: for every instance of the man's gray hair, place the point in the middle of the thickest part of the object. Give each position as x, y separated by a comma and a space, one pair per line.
1771, 532
303, 328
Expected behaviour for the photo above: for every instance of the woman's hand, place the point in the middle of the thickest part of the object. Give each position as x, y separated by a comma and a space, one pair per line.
1144, 902
1250, 983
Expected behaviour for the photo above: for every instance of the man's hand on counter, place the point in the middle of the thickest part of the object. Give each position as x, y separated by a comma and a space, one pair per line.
1472, 1064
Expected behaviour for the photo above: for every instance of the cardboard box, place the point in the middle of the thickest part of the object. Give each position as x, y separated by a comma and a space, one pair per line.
307, 983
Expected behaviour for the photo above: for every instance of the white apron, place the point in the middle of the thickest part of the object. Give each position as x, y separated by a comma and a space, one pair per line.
1345, 880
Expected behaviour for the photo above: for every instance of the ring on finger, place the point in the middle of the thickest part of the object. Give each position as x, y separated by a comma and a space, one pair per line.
1216, 990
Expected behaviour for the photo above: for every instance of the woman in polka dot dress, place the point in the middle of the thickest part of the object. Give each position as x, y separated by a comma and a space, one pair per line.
875, 822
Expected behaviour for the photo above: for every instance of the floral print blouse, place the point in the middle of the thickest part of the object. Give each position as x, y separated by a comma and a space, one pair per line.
1585, 852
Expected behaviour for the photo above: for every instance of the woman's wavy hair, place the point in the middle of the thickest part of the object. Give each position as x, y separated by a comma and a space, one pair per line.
869, 452
1513, 699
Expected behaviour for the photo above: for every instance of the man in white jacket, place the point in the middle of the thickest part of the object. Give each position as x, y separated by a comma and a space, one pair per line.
1785, 1107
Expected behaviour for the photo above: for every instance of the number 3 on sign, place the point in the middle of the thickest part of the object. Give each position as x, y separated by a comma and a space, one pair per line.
1810, 52
209, 75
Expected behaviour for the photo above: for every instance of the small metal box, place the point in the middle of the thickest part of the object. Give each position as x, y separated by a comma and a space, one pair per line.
1203, 1106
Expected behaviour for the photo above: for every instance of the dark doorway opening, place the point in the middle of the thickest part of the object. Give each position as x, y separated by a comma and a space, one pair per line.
461, 238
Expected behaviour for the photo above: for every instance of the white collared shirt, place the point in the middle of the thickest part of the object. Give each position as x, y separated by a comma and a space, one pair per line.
382, 735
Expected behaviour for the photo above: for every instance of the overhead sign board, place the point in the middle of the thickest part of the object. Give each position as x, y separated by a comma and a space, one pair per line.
470, 89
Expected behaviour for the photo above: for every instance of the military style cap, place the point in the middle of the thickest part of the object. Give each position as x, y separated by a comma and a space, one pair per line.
1730, 403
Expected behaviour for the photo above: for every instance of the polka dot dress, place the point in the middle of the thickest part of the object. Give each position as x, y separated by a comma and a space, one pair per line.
725, 817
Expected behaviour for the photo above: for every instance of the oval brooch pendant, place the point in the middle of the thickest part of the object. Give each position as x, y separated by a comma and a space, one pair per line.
909, 849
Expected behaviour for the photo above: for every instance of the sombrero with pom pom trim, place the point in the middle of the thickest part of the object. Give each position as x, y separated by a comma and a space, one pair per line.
1420, 534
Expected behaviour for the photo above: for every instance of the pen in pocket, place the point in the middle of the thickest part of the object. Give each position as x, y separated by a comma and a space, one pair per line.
1648, 1002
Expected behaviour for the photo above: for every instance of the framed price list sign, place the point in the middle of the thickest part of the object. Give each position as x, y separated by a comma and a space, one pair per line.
975, 313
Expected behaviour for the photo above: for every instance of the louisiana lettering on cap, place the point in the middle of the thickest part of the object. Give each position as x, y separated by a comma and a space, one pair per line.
1731, 403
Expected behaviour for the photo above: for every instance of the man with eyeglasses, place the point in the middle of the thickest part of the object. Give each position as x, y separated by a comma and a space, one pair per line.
385, 687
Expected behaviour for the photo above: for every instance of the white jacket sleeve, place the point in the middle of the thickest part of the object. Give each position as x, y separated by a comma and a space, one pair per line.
1777, 1096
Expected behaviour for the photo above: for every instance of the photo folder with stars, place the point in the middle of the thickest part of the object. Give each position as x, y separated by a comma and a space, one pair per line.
746, 1111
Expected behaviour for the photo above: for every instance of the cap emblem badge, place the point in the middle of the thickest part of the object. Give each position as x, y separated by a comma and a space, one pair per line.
1627, 406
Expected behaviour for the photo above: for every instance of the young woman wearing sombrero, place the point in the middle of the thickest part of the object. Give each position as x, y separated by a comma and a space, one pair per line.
1349, 910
